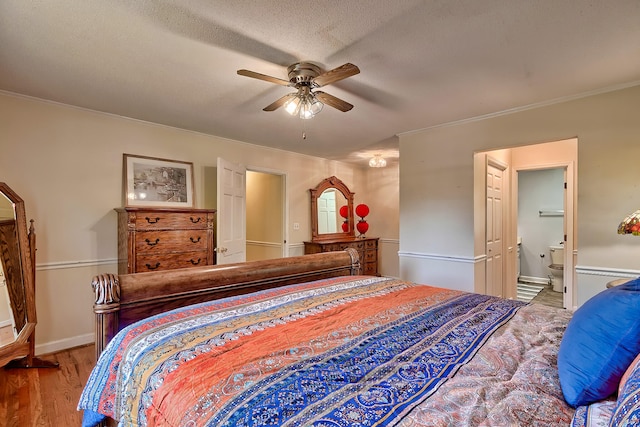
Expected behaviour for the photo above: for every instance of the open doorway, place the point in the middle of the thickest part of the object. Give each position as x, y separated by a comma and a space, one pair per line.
541, 230
264, 211
559, 154
265, 215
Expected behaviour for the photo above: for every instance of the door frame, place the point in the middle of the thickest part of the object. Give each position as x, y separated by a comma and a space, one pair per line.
565, 156
569, 221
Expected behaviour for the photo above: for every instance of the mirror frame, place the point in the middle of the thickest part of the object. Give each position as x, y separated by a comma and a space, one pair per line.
23, 345
325, 184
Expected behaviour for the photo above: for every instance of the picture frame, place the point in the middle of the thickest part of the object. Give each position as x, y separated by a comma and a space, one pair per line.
156, 182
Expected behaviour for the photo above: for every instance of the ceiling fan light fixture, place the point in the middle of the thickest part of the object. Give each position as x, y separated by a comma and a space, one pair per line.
292, 106
304, 76
377, 161
314, 106
303, 104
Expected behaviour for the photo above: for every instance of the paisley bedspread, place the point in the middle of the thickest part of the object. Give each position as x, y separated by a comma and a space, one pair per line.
349, 351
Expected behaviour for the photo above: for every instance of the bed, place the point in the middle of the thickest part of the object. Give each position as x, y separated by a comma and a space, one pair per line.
307, 341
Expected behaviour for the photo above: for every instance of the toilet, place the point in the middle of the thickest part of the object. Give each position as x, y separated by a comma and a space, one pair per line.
557, 267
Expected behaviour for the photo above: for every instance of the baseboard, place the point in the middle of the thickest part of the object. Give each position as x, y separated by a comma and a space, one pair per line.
54, 346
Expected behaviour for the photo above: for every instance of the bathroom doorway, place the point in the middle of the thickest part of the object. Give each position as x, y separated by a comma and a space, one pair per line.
561, 154
541, 234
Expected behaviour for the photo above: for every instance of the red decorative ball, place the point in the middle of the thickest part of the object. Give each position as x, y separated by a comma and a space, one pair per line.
362, 210
344, 211
345, 226
362, 226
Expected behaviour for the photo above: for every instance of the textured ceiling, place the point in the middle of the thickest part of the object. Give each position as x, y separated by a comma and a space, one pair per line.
422, 63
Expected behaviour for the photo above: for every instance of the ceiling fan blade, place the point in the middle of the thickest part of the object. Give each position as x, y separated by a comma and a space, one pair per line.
278, 103
332, 101
264, 77
339, 73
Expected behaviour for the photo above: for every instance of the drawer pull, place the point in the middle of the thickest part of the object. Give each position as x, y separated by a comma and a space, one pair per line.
150, 243
153, 268
195, 240
196, 262
152, 220
195, 221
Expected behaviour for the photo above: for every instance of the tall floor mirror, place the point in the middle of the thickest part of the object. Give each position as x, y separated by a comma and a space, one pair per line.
17, 285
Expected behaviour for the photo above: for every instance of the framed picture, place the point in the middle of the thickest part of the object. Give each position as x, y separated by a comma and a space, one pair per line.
150, 181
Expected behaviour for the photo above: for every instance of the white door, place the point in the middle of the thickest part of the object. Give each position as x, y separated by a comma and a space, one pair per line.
494, 229
231, 219
327, 213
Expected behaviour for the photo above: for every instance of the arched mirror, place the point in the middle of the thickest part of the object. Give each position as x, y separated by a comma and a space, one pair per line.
17, 291
331, 210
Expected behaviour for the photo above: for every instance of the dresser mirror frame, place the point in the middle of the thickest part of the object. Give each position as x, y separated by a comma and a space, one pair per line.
17, 253
331, 184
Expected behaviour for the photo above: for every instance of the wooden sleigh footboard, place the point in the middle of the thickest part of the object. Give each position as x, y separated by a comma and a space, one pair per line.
121, 300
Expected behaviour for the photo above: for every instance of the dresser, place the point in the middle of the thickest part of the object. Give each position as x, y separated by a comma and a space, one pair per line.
367, 250
152, 239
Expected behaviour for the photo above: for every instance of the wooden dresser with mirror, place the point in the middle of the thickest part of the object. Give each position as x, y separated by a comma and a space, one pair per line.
330, 231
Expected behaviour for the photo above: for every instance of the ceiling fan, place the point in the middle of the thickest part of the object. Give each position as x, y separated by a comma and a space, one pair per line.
306, 77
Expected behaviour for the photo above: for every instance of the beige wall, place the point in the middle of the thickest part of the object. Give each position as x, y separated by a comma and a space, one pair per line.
436, 187
66, 163
382, 196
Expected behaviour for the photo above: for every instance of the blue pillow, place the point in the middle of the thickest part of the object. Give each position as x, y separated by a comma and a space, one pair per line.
601, 341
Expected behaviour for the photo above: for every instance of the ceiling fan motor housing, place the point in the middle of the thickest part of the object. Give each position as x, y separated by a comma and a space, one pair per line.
303, 73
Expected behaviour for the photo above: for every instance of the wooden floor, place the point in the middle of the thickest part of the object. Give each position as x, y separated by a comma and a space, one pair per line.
548, 296
46, 397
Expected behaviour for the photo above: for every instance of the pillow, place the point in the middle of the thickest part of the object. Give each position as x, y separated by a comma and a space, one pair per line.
601, 341
627, 410
630, 370
596, 414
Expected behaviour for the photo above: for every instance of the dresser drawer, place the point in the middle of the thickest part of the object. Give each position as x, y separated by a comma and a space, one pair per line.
169, 261
355, 245
333, 247
370, 269
171, 241
150, 220
370, 256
